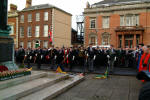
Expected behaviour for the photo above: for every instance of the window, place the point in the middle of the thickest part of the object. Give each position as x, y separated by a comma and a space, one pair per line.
105, 39
12, 29
29, 45
37, 31
121, 20
129, 21
45, 30
45, 44
29, 31
22, 19
105, 22
29, 17
21, 31
45, 16
136, 20
93, 39
37, 16
22, 44
92, 23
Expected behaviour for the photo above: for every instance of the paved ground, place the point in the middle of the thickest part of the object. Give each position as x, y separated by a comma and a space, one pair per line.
100, 69
114, 88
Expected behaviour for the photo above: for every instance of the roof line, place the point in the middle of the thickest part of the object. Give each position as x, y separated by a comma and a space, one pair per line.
50, 6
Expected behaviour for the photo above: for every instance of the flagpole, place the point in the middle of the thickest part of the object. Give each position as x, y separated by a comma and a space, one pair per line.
50, 36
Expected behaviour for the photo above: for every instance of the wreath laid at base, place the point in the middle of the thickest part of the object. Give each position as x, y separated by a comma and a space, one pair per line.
5, 75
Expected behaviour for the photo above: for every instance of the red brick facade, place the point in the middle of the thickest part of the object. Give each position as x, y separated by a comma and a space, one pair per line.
117, 33
34, 23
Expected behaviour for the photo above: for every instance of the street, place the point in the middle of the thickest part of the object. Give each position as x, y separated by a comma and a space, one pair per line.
113, 88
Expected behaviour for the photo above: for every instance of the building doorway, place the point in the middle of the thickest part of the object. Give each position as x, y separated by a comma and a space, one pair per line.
129, 41
37, 44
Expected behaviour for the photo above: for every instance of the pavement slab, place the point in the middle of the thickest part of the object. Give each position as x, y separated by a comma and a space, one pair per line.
114, 88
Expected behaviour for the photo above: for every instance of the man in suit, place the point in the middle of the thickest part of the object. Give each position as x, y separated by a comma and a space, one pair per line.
21, 54
112, 59
91, 58
71, 57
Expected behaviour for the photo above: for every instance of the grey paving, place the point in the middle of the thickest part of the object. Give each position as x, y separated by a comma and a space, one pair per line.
17, 91
54, 90
113, 88
97, 70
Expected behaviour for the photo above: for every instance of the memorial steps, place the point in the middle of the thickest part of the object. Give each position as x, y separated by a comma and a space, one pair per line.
38, 86
16, 81
54, 90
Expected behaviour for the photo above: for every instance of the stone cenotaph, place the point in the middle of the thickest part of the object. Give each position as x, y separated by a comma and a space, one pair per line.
6, 42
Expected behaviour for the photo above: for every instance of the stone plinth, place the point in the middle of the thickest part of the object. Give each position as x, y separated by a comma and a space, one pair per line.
7, 53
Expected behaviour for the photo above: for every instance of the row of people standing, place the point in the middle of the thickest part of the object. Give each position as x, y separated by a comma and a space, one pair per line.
88, 58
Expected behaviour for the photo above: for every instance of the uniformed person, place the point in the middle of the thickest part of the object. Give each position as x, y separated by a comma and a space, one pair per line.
39, 57
60, 58
28, 56
144, 59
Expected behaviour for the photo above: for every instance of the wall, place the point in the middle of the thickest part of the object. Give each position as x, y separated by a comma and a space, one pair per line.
13, 20
144, 20
34, 23
61, 28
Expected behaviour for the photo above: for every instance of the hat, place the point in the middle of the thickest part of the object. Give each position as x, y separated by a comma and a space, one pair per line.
148, 46
141, 44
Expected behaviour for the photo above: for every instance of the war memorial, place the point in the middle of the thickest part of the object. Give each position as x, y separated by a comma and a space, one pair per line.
53, 76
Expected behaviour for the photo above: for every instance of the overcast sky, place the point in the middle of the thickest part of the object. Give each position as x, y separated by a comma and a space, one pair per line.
75, 7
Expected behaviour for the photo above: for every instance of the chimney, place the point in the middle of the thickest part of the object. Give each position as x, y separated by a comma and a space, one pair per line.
87, 5
13, 8
28, 3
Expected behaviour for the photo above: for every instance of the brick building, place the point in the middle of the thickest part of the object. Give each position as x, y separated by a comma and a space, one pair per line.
122, 23
35, 22
13, 22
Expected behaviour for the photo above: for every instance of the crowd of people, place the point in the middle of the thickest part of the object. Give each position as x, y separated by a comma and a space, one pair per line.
88, 58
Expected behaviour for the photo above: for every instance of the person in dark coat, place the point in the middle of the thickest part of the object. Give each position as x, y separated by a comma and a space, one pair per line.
112, 59
28, 55
71, 58
91, 57
39, 57
60, 58
127, 57
21, 54
85, 61
53, 58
